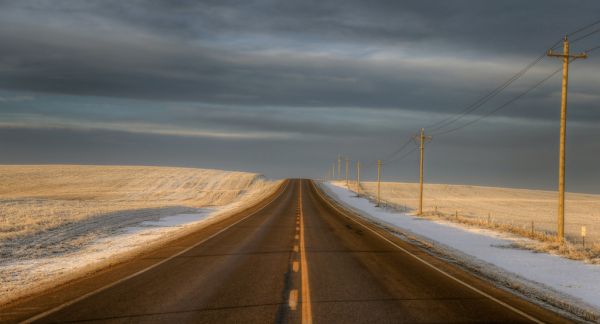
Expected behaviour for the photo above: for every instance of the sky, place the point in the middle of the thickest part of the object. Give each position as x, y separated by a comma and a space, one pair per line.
283, 87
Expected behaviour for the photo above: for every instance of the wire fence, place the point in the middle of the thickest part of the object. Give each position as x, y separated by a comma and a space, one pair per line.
529, 213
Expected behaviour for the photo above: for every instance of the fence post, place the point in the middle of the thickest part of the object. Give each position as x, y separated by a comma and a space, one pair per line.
532, 229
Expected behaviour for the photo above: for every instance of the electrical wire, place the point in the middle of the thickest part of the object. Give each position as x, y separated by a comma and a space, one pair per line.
585, 36
487, 97
483, 100
592, 49
396, 152
407, 154
514, 78
390, 155
535, 86
584, 28
469, 109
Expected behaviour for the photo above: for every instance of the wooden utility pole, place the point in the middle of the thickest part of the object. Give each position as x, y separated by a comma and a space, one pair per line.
422, 140
378, 182
339, 162
347, 161
332, 171
560, 235
357, 178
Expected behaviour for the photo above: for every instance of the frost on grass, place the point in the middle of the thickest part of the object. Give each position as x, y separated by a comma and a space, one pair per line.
37, 198
528, 213
57, 219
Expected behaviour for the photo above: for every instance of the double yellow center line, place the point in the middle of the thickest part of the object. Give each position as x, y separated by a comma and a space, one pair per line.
301, 265
306, 307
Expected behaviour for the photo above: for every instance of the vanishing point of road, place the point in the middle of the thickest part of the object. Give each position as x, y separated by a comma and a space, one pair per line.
296, 257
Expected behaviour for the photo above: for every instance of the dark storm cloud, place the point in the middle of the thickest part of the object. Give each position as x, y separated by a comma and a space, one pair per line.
280, 86
305, 53
467, 22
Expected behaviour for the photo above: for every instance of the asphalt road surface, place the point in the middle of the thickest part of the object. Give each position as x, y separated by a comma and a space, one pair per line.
295, 257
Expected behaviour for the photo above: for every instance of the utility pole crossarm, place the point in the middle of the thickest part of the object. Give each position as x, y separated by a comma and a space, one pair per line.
573, 56
426, 138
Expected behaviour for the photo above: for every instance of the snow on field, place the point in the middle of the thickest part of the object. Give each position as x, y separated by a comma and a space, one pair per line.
57, 222
557, 279
504, 205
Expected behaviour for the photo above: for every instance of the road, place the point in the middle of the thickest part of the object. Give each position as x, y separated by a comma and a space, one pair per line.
296, 257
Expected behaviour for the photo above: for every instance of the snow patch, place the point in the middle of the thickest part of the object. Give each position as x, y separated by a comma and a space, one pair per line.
14, 274
179, 220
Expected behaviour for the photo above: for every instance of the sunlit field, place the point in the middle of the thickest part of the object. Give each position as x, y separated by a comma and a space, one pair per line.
37, 198
518, 207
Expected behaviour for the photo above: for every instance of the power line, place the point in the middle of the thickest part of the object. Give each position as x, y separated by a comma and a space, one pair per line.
535, 86
407, 154
580, 30
483, 100
390, 155
585, 36
487, 97
592, 49
402, 147
584, 28
450, 120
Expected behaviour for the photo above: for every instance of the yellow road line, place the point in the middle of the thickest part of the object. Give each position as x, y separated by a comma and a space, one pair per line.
295, 266
306, 307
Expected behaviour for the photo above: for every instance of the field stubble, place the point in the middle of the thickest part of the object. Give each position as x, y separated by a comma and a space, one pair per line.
46, 210
58, 222
527, 213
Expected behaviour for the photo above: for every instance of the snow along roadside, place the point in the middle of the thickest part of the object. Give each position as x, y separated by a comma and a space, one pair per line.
569, 285
21, 278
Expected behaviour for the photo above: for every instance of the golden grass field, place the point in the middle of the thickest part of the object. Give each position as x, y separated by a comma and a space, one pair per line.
58, 222
36, 198
518, 207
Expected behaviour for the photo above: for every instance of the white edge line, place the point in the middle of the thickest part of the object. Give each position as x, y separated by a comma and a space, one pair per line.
82, 297
516, 310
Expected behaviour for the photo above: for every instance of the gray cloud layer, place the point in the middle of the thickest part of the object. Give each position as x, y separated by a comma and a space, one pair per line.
394, 54
335, 72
